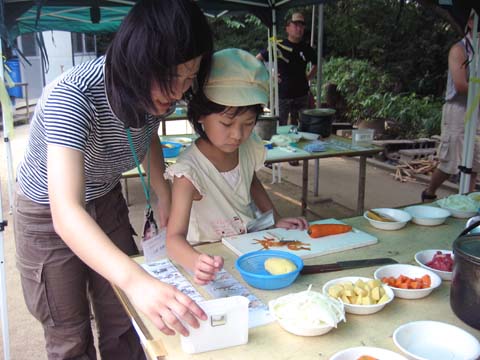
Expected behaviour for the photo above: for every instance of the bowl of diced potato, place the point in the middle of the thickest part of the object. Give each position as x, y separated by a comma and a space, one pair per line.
360, 295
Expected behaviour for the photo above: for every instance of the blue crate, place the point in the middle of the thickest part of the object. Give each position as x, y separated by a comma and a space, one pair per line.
251, 267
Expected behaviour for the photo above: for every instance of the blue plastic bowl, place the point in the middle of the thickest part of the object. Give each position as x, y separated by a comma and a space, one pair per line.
172, 150
251, 267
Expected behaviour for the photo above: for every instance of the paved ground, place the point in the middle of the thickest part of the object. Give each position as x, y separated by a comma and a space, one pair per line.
338, 181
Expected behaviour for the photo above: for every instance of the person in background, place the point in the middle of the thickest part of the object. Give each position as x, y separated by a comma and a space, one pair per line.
215, 188
73, 235
450, 150
293, 56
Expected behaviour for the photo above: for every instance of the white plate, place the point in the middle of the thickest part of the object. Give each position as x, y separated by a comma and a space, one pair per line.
411, 271
356, 352
427, 215
425, 256
434, 340
401, 216
359, 309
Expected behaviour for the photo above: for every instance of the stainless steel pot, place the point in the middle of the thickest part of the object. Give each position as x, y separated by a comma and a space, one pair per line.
465, 287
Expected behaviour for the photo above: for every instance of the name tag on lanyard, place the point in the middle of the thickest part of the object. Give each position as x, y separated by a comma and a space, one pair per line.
153, 239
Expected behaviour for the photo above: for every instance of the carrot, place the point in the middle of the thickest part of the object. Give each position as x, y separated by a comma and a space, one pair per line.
366, 357
404, 282
319, 230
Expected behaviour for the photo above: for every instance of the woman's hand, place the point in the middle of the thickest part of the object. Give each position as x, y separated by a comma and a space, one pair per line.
298, 223
167, 307
206, 268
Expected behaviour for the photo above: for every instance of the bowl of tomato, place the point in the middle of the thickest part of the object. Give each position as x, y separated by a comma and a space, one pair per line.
408, 281
438, 261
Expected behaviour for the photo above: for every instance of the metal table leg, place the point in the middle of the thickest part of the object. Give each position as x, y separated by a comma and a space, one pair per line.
304, 187
316, 178
362, 171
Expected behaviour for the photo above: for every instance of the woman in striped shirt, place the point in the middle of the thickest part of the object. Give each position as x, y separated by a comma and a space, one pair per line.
73, 235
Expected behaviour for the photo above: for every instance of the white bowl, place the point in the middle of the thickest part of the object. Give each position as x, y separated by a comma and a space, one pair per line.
359, 309
401, 216
427, 215
425, 256
411, 271
475, 196
297, 324
356, 352
434, 340
308, 136
446, 203
304, 331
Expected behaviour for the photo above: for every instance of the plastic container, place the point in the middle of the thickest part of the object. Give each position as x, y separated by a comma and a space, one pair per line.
317, 121
362, 137
251, 267
171, 149
15, 74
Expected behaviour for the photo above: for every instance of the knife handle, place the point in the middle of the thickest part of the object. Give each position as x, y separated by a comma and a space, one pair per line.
318, 269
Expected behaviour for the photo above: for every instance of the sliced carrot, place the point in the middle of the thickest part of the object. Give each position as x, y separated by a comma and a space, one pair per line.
319, 230
427, 282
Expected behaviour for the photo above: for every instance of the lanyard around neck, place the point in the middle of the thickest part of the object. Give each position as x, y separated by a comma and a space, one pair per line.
146, 189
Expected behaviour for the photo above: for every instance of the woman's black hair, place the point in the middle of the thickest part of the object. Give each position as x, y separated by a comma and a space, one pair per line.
155, 37
200, 106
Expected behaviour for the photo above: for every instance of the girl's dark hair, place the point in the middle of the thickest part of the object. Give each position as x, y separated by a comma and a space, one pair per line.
155, 37
200, 106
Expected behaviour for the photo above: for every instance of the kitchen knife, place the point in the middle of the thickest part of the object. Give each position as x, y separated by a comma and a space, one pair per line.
343, 265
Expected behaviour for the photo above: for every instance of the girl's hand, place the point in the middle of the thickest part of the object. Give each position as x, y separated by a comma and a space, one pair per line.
167, 307
298, 223
206, 268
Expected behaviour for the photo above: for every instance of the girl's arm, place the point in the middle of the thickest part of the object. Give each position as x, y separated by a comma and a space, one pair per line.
203, 266
162, 303
263, 203
159, 185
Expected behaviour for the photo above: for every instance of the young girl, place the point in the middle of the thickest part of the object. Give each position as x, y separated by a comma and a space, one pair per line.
214, 181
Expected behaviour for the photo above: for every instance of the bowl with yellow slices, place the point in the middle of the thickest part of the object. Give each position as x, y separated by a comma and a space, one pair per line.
360, 295
387, 218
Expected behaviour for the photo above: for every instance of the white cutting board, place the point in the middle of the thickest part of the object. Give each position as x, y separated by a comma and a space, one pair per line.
241, 244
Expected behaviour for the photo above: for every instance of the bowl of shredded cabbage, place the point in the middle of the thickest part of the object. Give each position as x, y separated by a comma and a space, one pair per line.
307, 313
460, 206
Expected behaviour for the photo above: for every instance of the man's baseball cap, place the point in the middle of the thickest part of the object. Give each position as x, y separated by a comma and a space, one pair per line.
297, 18
237, 78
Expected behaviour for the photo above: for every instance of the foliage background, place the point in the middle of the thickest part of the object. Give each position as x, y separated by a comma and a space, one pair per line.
388, 57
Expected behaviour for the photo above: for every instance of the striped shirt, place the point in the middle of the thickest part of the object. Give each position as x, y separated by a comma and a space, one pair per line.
74, 112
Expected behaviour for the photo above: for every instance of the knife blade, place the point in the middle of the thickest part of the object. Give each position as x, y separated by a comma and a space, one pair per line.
343, 265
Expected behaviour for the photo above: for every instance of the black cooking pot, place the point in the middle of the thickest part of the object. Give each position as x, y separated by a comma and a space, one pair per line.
317, 121
465, 288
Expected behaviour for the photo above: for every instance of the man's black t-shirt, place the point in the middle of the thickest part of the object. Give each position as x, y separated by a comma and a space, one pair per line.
292, 65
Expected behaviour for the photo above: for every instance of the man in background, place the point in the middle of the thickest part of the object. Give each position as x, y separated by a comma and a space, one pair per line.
293, 57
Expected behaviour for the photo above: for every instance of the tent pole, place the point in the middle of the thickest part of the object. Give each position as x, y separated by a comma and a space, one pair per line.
6, 140
319, 54
472, 120
276, 110
3, 283
270, 71
312, 33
